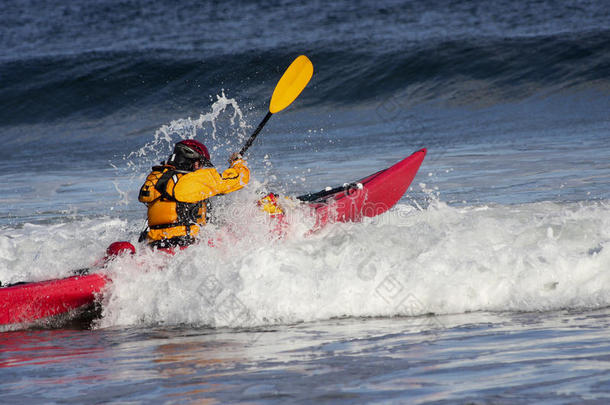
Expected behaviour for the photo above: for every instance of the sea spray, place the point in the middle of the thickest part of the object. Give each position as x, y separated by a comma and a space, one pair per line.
223, 130
224, 111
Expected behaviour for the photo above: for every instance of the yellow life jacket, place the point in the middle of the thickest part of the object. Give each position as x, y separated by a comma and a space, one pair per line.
176, 199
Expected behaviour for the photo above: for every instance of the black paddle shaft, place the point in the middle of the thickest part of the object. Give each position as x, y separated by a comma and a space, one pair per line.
255, 134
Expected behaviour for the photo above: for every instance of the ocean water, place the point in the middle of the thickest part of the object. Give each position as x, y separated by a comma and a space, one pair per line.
487, 283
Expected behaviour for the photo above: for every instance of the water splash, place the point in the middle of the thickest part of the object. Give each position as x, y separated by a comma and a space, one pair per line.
205, 127
222, 130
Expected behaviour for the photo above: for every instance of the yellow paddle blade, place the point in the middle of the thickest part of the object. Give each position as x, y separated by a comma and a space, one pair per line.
291, 84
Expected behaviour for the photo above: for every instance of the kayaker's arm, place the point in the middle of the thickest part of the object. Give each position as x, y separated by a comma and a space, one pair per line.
205, 183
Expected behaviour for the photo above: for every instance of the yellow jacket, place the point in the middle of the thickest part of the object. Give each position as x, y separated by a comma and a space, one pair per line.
176, 199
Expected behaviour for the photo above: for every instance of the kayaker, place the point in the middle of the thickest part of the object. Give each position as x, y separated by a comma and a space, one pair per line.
176, 193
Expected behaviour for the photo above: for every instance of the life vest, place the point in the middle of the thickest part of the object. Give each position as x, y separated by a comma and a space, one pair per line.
177, 200
167, 217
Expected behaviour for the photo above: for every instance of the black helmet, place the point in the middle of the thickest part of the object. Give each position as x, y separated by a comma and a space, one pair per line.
188, 152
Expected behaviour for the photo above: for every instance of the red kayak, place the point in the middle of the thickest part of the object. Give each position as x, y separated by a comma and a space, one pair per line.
26, 303
368, 197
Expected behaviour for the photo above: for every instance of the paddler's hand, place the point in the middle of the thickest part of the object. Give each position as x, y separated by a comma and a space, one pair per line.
235, 156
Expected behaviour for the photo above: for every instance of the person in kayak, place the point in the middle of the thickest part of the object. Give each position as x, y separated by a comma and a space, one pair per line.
176, 193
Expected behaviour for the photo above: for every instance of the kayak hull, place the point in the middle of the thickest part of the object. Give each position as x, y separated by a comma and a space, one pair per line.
29, 302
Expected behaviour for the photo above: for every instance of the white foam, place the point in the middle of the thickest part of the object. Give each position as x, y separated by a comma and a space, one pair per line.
42, 252
530, 257
409, 261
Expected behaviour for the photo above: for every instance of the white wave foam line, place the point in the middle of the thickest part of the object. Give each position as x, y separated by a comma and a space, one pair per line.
43, 252
531, 257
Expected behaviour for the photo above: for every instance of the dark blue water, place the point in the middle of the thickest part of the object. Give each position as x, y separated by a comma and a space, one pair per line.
504, 236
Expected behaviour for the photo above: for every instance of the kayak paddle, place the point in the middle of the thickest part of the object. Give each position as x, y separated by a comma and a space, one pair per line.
291, 84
